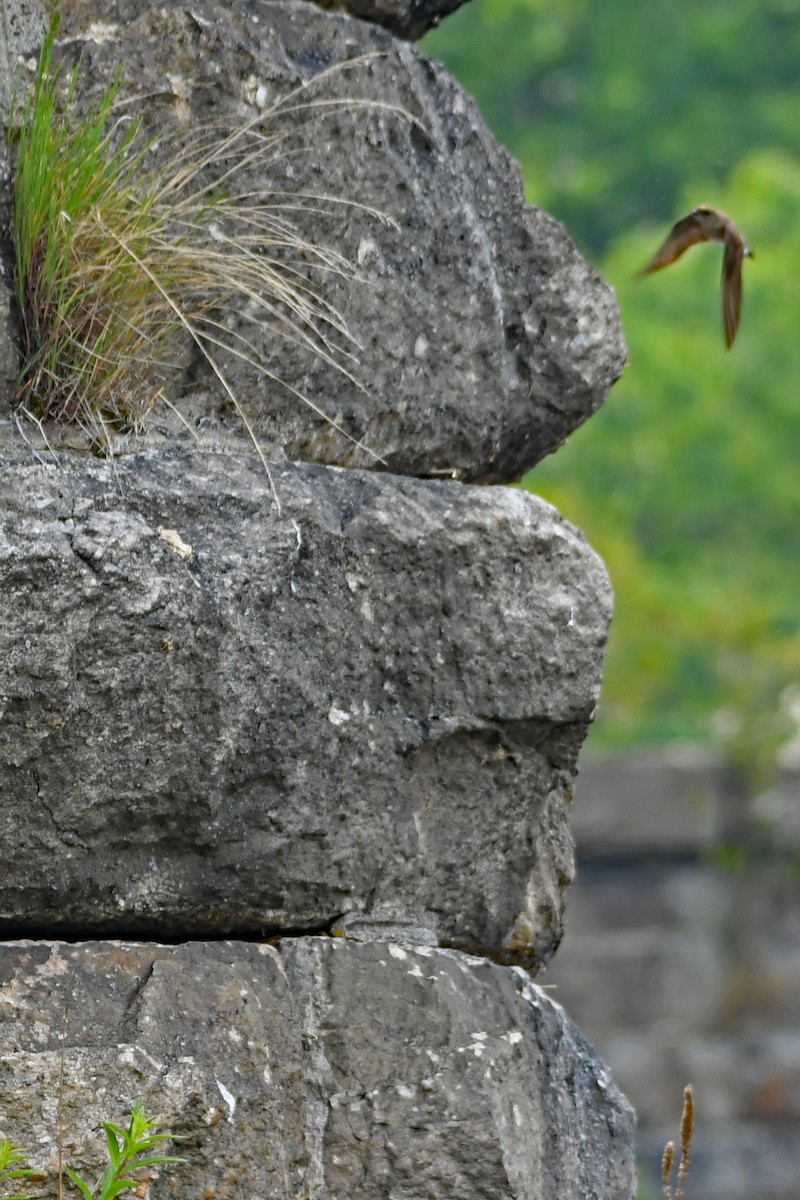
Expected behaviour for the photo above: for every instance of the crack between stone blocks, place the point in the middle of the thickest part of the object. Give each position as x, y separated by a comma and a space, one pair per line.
133, 1004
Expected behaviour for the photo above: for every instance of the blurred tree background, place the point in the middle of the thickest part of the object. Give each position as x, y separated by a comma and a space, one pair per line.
624, 116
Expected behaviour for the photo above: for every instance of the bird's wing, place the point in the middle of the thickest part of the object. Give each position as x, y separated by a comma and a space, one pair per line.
684, 233
731, 289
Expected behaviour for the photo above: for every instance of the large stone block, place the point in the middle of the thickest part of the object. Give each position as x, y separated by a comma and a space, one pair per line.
219, 720
319, 1068
483, 338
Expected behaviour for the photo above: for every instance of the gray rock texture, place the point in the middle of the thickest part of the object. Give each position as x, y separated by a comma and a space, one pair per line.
9, 354
484, 337
22, 23
220, 720
251, 701
319, 1068
405, 18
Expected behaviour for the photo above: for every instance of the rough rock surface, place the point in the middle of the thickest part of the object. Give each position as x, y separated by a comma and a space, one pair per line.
405, 18
9, 356
372, 703
249, 703
484, 337
22, 23
321, 1068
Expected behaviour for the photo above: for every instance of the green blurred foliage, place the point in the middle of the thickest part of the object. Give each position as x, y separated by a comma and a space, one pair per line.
688, 484
688, 479
612, 106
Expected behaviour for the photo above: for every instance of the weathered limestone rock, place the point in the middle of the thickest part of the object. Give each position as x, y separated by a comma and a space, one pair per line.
484, 337
246, 703
372, 703
405, 18
318, 1068
22, 23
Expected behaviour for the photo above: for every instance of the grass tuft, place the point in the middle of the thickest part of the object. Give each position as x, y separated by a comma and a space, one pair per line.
12, 1166
120, 266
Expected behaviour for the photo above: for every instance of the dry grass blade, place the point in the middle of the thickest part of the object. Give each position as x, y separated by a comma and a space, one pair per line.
223, 381
668, 1158
666, 1169
687, 1129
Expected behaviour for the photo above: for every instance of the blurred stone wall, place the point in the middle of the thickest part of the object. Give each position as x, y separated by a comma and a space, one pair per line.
681, 961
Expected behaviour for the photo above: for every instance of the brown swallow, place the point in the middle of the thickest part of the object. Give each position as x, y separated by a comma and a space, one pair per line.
706, 224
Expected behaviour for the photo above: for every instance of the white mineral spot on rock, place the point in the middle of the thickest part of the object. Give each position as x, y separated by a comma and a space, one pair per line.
229, 1099
421, 346
406, 1092
513, 1036
398, 952
101, 31
174, 539
180, 86
366, 249
337, 716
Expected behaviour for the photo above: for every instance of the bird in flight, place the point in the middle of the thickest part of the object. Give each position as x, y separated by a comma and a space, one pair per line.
706, 224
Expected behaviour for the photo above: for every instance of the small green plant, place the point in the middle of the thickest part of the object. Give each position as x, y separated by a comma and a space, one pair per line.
667, 1162
129, 1150
11, 1165
118, 263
